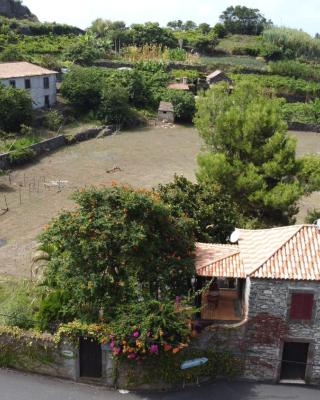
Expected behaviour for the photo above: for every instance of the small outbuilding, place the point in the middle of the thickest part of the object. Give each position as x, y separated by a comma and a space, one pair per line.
218, 76
166, 112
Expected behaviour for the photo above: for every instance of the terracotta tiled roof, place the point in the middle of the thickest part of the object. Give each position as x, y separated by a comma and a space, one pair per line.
214, 74
178, 86
291, 252
21, 70
257, 246
219, 260
298, 258
166, 106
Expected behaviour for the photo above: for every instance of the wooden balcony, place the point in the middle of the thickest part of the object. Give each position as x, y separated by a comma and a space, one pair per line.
227, 309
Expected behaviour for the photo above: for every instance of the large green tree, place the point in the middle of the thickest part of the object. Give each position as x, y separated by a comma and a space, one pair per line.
118, 246
243, 20
250, 156
213, 213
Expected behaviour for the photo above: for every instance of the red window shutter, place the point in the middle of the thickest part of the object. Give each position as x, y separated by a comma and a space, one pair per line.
307, 306
301, 306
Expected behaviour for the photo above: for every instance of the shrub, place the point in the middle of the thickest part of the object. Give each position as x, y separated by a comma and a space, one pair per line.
82, 88
15, 108
53, 120
177, 54
114, 106
305, 113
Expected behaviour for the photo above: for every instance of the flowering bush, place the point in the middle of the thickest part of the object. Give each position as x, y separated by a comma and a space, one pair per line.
150, 328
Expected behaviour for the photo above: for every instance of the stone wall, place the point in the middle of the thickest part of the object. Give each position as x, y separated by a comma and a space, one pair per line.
269, 326
299, 126
55, 143
39, 354
39, 148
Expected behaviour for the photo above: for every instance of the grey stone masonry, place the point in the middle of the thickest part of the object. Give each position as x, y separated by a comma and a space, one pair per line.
269, 326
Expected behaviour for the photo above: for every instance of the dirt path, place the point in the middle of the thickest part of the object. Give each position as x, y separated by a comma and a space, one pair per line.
145, 158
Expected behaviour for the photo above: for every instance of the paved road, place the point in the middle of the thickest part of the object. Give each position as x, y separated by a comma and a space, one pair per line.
19, 386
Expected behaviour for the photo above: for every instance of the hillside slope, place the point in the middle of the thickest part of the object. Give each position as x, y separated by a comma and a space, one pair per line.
14, 9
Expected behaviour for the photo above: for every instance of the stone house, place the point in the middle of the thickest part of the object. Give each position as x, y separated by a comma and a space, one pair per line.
218, 76
166, 112
268, 312
39, 82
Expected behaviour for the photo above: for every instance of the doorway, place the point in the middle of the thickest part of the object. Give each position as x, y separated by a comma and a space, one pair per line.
47, 101
90, 358
294, 361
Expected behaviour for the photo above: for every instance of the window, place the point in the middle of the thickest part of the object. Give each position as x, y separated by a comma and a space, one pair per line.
13, 83
27, 84
301, 306
46, 83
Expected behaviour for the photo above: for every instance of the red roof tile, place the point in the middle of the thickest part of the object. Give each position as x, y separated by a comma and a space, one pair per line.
291, 252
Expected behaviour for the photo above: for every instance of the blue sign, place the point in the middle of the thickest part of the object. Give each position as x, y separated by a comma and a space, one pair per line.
197, 362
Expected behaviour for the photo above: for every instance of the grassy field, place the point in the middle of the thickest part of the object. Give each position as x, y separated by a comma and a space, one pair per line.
233, 42
144, 158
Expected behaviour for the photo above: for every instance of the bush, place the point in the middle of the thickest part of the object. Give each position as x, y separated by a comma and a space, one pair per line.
114, 107
15, 108
82, 88
53, 120
177, 54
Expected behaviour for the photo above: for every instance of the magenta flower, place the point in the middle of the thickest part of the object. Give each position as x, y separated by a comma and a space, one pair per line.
154, 348
132, 356
112, 344
117, 350
149, 334
136, 334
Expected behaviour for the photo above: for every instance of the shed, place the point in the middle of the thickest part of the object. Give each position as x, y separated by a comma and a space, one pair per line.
218, 76
166, 112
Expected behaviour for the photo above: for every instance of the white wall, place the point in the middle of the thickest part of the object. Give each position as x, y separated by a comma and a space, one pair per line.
37, 90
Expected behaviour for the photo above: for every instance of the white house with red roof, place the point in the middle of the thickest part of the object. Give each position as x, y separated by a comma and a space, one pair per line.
269, 299
39, 82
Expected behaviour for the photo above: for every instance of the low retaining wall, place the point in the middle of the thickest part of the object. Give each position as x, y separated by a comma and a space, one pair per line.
299, 126
49, 145
30, 352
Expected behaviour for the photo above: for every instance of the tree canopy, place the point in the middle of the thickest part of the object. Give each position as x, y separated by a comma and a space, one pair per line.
250, 156
243, 20
118, 246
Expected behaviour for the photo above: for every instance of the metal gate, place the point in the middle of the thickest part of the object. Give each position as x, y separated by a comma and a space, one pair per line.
90, 358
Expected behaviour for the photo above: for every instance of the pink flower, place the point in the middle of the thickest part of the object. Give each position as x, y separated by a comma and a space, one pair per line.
136, 334
154, 348
149, 334
132, 356
112, 344
117, 351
